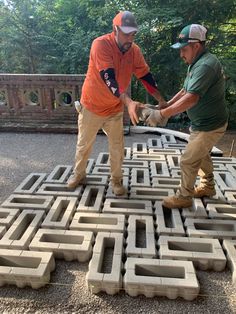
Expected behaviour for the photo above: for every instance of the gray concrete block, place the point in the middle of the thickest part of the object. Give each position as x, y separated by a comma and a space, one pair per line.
232, 169
219, 167
96, 179
153, 194
141, 237
127, 153
230, 197
135, 163
59, 189
8, 216
92, 199
154, 143
64, 244
98, 222
106, 278
218, 198
230, 248
140, 177
197, 210
59, 174
175, 173
21, 232
102, 160
173, 161
204, 253
31, 183
221, 211
153, 277
25, 268
168, 138
225, 181
139, 148
168, 221
178, 146
127, 207
164, 151
149, 157
169, 183
211, 228
28, 202
224, 160
3, 230
106, 171
110, 194
159, 169
61, 213
90, 165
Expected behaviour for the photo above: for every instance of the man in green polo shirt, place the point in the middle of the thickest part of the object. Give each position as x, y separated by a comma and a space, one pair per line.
203, 97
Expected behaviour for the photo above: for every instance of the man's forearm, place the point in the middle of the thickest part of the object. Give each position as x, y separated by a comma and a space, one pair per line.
177, 96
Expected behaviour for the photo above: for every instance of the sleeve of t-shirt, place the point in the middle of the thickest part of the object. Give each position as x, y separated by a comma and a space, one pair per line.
201, 79
102, 55
140, 66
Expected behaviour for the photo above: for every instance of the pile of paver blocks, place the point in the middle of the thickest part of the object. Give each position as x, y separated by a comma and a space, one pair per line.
132, 243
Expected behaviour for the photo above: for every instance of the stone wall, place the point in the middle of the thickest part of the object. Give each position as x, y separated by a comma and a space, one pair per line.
40, 102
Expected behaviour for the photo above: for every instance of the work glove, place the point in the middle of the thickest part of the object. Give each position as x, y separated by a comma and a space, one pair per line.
156, 119
144, 112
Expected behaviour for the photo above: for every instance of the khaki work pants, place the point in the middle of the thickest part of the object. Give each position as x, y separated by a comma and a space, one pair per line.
196, 160
89, 124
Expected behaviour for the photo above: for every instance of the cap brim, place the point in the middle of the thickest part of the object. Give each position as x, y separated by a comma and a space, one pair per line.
179, 45
128, 29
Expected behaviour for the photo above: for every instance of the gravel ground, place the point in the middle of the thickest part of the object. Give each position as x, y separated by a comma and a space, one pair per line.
21, 154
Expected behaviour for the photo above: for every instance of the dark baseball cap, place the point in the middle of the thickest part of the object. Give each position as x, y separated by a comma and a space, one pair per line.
190, 34
126, 22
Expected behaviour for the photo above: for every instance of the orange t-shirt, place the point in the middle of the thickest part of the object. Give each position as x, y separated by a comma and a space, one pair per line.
104, 54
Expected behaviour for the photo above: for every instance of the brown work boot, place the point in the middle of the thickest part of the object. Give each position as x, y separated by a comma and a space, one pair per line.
201, 191
118, 188
76, 180
177, 202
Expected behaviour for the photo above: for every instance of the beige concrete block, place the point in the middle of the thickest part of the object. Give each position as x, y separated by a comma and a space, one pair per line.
92, 199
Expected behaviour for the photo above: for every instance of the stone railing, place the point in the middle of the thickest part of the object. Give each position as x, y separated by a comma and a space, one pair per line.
40, 102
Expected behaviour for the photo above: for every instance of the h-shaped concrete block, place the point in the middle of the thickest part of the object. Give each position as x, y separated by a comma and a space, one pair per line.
25, 268
204, 253
66, 244
153, 277
98, 222
211, 228
92, 199
61, 213
104, 275
141, 237
127, 207
31, 183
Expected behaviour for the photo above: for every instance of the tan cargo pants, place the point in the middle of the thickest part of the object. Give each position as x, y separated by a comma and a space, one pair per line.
196, 160
89, 124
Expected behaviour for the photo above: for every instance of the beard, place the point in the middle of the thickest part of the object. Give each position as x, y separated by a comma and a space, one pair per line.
125, 47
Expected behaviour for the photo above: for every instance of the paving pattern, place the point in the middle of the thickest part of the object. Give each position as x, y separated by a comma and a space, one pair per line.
131, 243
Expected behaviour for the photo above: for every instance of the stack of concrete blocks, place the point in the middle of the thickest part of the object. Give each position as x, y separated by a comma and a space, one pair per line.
132, 242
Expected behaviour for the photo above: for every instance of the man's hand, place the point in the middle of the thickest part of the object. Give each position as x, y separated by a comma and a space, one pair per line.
133, 108
156, 119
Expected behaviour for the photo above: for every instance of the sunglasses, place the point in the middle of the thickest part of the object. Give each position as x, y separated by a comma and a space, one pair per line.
186, 40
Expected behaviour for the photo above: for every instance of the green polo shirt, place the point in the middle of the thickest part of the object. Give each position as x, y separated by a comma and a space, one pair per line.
205, 77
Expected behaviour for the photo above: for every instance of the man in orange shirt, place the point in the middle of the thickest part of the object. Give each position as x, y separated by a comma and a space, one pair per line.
114, 58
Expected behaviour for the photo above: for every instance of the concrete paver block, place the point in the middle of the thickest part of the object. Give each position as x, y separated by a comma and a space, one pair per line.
224, 160
197, 210
178, 146
66, 244
225, 181
98, 222
127, 153
92, 199
211, 228
2, 231
28, 202
106, 171
219, 197
164, 151
135, 163
168, 138
219, 167
232, 169
139, 148
163, 183
153, 277
59, 190
21, 232
100, 278
61, 213
154, 143
96, 179
59, 174
7, 216
230, 197
140, 177
141, 237
230, 248
159, 169
153, 194
25, 268
102, 160
168, 221
221, 211
149, 157
173, 161
204, 253
31, 183
128, 207
175, 173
